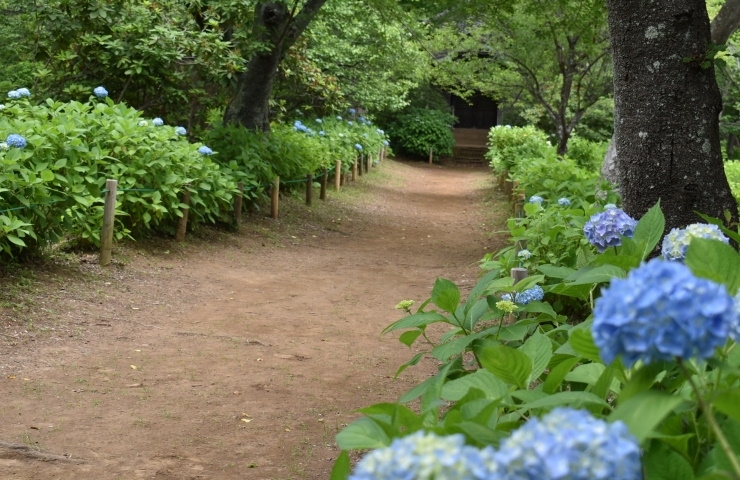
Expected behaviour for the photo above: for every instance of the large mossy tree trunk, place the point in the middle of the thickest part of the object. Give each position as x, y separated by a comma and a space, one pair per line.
278, 27
666, 118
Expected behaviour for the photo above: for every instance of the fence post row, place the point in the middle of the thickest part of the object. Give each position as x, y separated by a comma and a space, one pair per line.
109, 213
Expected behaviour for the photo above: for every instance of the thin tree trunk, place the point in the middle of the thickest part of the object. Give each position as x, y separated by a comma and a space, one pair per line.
666, 115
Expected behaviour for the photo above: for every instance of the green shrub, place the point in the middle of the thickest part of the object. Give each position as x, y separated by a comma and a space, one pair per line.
509, 146
732, 170
587, 154
419, 129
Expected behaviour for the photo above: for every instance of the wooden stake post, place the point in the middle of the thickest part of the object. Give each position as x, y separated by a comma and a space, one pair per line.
337, 175
354, 170
324, 178
275, 194
182, 225
109, 214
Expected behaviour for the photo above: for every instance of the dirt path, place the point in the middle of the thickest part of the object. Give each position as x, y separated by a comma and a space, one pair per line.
238, 356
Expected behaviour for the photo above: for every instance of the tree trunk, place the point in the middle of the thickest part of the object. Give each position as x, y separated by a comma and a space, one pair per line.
726, 22
278, 27
666, 118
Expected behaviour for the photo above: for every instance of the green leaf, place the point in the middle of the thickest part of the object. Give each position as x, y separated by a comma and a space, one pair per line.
649, 231
572, 399
414, 360
47, 175
538, 307
16, 240
362, 433
662, 463
641, 380
728, 402
415, 320
588, 373
445, 295
408, 338
511, 366
341, 469
582, 342
644, 411
482, 380
716, 261
553, 271
558, 373
592, 276
539, 349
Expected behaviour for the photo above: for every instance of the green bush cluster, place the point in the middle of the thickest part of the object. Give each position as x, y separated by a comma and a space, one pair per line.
54, 185
508, 146
732, 170
419, 129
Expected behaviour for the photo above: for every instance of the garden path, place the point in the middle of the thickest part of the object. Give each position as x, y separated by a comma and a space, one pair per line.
235, 355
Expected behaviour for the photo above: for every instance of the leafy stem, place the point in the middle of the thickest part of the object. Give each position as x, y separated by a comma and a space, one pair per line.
707, 409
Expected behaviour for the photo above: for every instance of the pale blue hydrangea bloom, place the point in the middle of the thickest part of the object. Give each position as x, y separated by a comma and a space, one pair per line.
609, 205
358, 146
677, 241
350, 123
318, 120
339, 118
607, 228
322, 133
522, 298
100, 92
341, 135
525, 254
426, 456
536, 199
568, 444
365, 135
157, 122
380, 131
15, 140
4, 146
13, 94
563, 202
352, 111
24, 92
205, 150
386, 142
2, 107
143, 123
659, 312
735, 326
180, 131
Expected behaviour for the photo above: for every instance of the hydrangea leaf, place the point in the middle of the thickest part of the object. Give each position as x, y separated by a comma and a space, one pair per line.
649, 230
445, 295
341, 468
662, 463
482, 380
643, 412
728, 402
583, 343
539, 349
592, 276
511, 366
362, 433
716, 261
415, 320
559, 399
558, 373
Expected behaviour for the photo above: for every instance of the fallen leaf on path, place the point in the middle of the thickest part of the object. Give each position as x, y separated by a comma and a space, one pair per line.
134, 367
246, 420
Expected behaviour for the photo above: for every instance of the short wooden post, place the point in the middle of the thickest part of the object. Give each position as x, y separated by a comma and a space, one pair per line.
324, 178
431, 155
109, 215
518, 274
369, 160
337, 175
275, 194
344, 178
238, 198
380, 155
354, 170
309, 189
359, 165
519, 206
182, 225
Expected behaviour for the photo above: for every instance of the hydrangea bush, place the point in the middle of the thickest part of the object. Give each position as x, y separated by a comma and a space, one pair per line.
643, 387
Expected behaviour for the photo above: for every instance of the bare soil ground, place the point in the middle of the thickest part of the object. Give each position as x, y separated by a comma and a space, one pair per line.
233, 355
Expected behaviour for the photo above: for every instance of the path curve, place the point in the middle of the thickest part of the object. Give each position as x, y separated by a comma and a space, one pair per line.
242, 358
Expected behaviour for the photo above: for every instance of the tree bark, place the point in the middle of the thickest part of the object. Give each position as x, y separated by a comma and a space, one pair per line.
278, 27
666, 118
726, 22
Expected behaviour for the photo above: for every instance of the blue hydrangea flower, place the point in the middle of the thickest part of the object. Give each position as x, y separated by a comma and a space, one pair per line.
426, 456
24, 92
205, 150
100, 92
563, 202
659, 312
535, 199
386, 142
143, 123
339, 118
524, 254
735, 326
352, 111
358, 146
609, 205
380, 131
157, 122
13, 94
322, 133
15, 140
318, 120
530, 295
605, 229
350, 123
677, 241
365, 135
180, 131
341, 135
4, 146
568, 444
2, 107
